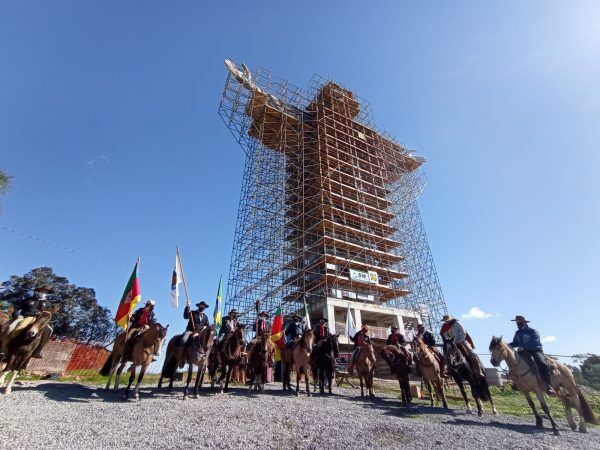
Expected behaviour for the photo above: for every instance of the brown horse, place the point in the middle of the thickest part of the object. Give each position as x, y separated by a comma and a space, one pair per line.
259, 358
297, 358
430, 370
364, 363
225, 357
526, 380
139, 350
21, 347
4, 323
195, 353
399, 362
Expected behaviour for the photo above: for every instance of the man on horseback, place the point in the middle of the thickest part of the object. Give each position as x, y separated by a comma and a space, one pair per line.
395, 338
294, 330
228, 326
527, 343
360, 338
142, 319
453, 331
28, 308
262, 324
321, 331
429, 340
197, 320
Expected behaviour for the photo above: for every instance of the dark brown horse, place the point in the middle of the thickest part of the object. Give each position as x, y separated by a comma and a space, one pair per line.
195, 353
139, 350
259, 358
399, 362
323, 361
21, 347
225, 357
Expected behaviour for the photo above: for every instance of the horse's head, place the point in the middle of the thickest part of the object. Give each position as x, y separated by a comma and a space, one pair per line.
35, 329
335, 345
498, 351
160, 336
208, 338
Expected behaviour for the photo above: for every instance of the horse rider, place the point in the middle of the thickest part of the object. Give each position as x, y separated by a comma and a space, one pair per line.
429, 341
395, 338
321, 330
453, 331
527, 343
294, 331
262, 325
197, 320
228, 326
26, 308
360, 338
142, 319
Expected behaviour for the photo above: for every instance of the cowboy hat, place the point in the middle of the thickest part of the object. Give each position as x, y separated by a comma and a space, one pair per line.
323, 319
446, 318
519, 319
151, 302
296, 316
264, 314
233, 311
202, 303
394, 327
45, 288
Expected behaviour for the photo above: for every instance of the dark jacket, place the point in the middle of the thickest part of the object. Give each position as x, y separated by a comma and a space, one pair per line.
395, 339
527, 338
200, 319
360, 338
428, 338
29, 307
321, 332
261, 326
138, 315
227, 325
294, 330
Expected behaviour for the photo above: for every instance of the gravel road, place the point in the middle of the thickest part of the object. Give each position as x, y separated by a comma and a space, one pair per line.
70, 416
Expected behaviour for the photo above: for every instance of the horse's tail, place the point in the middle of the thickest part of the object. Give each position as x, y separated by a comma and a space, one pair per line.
170, 365
107, 366
483, 388
586, 409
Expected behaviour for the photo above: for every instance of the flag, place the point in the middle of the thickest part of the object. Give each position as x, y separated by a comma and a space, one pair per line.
175, 282
277, 333
217, 314
306, 316
131, 297
350, 327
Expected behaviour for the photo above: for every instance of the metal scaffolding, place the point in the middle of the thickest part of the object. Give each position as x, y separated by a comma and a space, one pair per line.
328, 206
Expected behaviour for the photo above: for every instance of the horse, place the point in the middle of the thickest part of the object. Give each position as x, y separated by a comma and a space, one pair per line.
21, 347
5, 317
195, 353
139, 350
461, 371
297, 357
399, 362
430, 371
226, 356
364, 363
525, 378
323, 361
259, 358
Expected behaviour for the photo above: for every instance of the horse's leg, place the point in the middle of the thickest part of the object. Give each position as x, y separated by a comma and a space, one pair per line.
572, 390
569, 416
306, 370
199, 379
227, 377
362, 392
479, 406
298, 378
131, 378
136, 391
461, 387
441, 393
489, 394
11, 380
189, 379
119, 371
111, 372
542, 400
329, 379
429, 389
371, 376
538, 419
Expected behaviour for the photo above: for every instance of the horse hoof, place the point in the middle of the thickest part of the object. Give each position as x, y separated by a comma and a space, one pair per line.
494, 412
480, 413
573, 427
184, 397
582, 430
195, 396
539, 426
556, 433
296, 393
469, 411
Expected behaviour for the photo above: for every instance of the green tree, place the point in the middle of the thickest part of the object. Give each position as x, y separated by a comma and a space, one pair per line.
77, 312
5, 182
589, 369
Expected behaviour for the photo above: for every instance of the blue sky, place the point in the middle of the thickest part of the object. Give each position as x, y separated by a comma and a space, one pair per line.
108, 122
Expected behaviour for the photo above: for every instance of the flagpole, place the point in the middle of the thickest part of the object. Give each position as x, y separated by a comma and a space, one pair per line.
189, 305
128, 330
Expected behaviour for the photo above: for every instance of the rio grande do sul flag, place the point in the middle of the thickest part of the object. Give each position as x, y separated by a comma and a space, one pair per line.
277, 333
176, 279
131, 297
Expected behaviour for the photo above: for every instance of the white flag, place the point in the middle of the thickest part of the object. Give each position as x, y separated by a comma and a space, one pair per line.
350, 327
175, 281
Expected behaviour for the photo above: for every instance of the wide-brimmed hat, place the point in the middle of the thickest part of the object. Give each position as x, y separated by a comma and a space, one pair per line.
296, 316
264, 314
519, 319
446, 318
202, 303
45, 288
323, 319
233, 311
151, 302
394, 327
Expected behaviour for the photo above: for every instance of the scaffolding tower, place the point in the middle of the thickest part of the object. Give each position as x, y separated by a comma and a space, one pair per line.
328, 206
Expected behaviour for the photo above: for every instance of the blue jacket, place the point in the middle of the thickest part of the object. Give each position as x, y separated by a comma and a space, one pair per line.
527, 338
